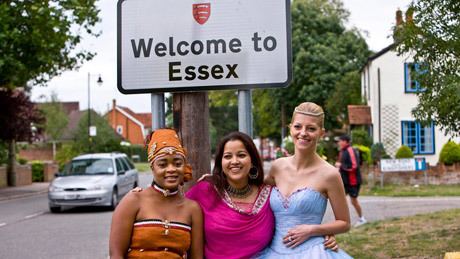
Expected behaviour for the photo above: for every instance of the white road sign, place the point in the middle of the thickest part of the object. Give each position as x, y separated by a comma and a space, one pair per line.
403, 165
170, 45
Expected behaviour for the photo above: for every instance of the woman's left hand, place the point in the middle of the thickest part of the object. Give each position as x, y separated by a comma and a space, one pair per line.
297, 235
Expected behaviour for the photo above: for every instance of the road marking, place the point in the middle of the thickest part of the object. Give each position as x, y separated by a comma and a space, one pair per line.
33, 215
2, 224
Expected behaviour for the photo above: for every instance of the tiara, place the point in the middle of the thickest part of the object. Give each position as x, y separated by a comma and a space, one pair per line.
308, 113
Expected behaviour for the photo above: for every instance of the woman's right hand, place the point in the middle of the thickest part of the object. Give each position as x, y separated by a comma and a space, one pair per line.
137, 189
331, 243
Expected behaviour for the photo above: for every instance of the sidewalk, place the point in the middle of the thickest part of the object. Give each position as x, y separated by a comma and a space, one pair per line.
9, 193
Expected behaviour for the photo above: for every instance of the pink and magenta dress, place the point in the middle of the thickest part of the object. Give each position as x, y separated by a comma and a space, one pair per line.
232, 230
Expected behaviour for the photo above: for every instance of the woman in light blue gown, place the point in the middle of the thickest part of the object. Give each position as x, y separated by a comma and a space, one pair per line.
304, 183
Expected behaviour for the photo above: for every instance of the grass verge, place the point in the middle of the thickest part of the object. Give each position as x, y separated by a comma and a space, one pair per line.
142, 167
410, 190
421, 236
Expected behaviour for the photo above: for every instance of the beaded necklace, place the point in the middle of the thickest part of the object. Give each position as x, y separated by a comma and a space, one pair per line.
239, 193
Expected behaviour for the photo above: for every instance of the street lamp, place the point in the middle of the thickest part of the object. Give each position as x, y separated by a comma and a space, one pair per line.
99, 82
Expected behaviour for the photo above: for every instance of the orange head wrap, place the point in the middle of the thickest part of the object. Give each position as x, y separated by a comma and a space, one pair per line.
166, 141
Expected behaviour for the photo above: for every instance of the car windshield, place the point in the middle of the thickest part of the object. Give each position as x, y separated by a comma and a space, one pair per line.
94, 166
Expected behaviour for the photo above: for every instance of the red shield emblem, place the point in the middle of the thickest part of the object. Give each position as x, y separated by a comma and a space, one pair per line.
201, 12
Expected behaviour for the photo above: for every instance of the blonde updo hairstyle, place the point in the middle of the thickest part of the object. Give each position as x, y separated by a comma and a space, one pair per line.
311, 109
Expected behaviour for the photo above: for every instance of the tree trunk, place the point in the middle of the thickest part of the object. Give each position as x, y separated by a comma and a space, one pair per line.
10, 169
191, 118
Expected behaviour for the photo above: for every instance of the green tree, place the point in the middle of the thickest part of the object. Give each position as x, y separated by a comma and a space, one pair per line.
20, 121
106, 139
347, 91
38, 39
433, 37
56, 120
266, 125
323, 52
223, 114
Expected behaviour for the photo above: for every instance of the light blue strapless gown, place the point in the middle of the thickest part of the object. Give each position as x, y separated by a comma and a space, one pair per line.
304, 206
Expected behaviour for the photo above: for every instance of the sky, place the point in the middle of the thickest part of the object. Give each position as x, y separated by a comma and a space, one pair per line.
373, 18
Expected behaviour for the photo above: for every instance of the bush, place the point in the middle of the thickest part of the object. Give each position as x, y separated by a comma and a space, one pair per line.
378, 152
37, 171
404, 152
289, 145
450, 153
21, 160
361, 137
65, 154
365, 153
3, 152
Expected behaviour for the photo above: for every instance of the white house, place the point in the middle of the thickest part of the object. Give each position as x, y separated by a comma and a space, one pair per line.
390, 92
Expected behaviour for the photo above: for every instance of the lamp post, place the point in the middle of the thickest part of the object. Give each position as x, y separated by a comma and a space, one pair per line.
99, 82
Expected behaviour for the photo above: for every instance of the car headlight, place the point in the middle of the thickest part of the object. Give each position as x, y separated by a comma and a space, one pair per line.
53, 188
95, 188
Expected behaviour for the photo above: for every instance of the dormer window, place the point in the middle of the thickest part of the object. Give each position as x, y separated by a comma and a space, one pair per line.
411, 85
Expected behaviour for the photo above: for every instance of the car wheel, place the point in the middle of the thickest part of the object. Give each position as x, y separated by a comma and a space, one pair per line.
54, 209
114, 202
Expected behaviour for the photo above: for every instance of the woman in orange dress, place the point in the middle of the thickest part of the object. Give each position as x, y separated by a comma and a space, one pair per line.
159, 222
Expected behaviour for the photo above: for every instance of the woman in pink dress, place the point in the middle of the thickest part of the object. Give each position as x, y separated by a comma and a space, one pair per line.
238, 221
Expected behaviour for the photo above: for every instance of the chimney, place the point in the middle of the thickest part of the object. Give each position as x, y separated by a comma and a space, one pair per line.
399, 19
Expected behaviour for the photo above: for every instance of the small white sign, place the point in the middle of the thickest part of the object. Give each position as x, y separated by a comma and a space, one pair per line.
92, 131
170, 45
397, 165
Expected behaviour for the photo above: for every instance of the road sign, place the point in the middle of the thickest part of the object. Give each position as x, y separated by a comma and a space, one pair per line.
403, 165
93, 131
170, 45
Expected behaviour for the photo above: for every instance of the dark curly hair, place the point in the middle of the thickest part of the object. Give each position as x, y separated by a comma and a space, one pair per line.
218, 178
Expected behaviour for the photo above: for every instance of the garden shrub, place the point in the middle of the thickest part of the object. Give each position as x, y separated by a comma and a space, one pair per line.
365, 153
404, 152
450, 153
361, 137
21, 160
378, 152
37, 171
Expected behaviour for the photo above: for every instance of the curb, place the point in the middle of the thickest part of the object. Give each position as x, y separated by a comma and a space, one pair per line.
20, 196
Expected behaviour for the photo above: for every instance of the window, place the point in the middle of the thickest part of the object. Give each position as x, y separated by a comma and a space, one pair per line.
411, 85
418, 137
120, 167
120, 129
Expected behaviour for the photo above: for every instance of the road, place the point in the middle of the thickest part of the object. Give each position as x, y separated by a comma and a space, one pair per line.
29, 230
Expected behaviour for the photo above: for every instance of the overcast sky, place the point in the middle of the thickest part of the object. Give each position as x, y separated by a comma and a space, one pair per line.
373, 17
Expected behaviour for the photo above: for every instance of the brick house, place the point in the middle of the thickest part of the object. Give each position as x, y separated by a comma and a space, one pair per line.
131, 126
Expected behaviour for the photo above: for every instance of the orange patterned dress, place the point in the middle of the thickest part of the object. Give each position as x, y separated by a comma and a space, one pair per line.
154, 238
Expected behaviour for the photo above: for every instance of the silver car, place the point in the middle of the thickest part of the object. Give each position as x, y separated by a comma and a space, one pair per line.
93, 180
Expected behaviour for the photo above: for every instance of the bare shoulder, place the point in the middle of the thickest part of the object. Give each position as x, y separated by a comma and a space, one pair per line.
193, 205
330, 172
279, 163
133, 197
131, 203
